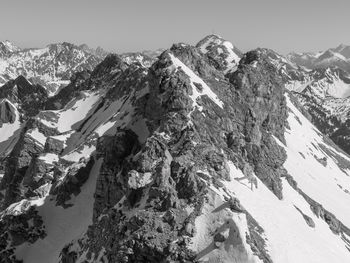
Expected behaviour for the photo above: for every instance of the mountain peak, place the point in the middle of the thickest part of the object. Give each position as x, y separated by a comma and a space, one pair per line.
343, 49
220, 51
205, 44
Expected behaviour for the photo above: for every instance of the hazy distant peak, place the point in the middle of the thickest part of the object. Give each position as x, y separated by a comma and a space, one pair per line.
343, 50
99, 52
8, 47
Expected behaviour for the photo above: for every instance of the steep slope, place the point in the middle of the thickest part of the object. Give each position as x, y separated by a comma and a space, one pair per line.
325, 96
323, 91
182, 161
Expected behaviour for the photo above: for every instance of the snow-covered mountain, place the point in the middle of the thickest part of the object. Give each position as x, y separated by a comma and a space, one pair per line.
50, 67
339, 57
324, 92
195, 158
220, 52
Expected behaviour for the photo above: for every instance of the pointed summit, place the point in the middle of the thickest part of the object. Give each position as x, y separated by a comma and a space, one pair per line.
343, 50
220, 51
206, 43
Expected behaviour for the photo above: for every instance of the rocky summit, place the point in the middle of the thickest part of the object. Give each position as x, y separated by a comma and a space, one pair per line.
196, 153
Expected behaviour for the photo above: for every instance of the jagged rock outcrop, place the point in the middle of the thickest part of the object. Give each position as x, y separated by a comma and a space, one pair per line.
16, 167
260, 87
159, 176
31, 98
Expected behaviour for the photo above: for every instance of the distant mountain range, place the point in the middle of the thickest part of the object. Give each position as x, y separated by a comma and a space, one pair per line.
333, 57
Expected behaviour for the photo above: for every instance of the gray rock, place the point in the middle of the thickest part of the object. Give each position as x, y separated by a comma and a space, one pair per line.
235, 205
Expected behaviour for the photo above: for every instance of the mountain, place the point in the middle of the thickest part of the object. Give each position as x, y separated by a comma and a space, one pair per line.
195, 158
220, 52
324, 92
50, 67
343, 50
145, 58
6, 48
339, 57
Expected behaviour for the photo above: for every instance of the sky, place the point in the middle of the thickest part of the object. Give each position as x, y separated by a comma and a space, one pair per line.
134, 25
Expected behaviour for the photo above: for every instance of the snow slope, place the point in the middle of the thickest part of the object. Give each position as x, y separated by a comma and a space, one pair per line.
288, 236
62, 225
325, 184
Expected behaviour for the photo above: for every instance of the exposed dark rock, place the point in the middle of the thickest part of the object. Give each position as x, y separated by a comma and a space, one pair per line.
235, 205
16, 166
307, 219
30, 97
54, 145
258, 84
72, 182
7, 112
219, 237
17, 229
38, 173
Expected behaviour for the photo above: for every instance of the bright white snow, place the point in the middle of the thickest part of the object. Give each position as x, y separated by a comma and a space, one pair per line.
49, 158
319, 182
289, 238
38, 136
195, 79
76, 110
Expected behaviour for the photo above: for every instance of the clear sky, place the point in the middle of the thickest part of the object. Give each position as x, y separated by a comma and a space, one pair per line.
131, 25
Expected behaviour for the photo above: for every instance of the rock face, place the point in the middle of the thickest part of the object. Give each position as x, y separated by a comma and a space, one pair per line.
157, 178
260, 86
7, 112
190, 159
30, 97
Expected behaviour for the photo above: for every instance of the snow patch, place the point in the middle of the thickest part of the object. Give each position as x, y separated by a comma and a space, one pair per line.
38, 136
195, 79
62, 225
